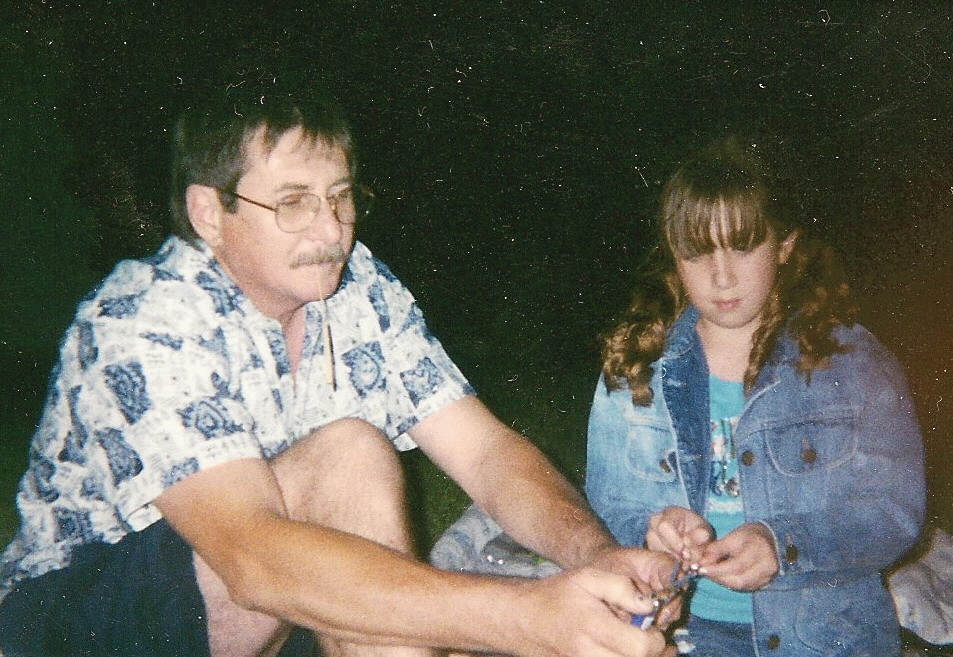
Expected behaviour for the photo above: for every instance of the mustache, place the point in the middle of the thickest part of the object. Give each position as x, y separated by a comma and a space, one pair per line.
333, 254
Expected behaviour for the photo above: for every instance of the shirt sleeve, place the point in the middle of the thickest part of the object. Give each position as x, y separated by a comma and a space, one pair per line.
150, 400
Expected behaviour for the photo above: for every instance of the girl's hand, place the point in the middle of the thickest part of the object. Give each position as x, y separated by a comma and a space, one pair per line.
744, 560
680, 532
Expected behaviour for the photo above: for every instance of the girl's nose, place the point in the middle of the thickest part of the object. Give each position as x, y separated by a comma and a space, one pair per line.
723, 271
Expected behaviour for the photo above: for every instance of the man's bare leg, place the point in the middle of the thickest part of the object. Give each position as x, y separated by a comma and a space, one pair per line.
345, 476
358, 488
234, 631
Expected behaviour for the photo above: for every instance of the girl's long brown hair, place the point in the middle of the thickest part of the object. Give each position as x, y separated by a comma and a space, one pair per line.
727, 185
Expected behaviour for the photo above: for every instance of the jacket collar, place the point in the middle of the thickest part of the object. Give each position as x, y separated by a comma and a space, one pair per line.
682, 338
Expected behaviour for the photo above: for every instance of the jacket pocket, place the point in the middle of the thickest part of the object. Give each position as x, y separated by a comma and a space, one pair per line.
813, 444
649, 453
854, 618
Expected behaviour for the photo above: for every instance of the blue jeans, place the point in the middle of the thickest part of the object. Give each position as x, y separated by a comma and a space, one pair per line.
714, 639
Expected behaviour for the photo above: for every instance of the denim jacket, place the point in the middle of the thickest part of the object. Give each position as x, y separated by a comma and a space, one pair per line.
833, 465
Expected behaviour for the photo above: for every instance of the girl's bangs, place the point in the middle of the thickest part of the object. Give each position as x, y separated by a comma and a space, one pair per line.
696, 225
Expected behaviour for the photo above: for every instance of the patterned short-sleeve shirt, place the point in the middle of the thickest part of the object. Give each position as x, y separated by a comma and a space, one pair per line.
168, 369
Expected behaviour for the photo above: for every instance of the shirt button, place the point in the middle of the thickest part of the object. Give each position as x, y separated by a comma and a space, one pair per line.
747, 457
774, 642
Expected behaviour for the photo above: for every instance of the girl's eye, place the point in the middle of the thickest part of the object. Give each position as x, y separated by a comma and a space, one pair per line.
693, 258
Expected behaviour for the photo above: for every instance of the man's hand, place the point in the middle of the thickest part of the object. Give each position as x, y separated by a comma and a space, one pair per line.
585, 612
744, 560
650, 572
679, 532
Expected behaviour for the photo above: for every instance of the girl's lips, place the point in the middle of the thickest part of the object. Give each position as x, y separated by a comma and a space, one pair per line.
729, 304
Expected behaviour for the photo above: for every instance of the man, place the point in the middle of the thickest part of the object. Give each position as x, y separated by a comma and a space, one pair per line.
215, 461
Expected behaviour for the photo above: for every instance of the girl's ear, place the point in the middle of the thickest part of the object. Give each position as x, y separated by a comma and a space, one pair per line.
786, 247
205, 212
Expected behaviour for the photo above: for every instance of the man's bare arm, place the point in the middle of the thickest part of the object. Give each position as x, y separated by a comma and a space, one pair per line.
510, 479
357, 590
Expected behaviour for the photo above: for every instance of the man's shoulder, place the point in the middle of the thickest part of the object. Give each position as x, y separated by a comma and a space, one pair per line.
365, 267
370, 278
175, 282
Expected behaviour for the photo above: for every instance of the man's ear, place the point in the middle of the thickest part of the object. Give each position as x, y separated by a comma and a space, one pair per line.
786, 246
205, 212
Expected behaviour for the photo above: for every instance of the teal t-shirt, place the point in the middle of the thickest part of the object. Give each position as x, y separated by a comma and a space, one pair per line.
724, 509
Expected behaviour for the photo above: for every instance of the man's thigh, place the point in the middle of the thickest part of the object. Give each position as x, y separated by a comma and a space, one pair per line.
137, 597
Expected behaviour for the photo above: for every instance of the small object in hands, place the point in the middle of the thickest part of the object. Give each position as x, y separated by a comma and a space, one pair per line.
645, 621
678, 582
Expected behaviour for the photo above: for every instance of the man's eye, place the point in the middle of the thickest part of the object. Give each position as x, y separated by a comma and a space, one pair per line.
344, 195
294, 202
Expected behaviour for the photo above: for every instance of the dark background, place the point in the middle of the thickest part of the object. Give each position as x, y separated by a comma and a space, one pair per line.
516, 149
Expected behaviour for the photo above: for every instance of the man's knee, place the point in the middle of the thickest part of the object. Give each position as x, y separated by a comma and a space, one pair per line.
335, 450
344, 475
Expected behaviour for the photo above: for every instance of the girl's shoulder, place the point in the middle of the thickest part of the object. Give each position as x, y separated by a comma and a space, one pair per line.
864, 352
858, 339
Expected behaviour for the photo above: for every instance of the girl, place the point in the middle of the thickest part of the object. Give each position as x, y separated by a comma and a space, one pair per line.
746, 425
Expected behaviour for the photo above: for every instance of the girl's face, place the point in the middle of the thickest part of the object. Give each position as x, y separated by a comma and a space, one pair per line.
730, 286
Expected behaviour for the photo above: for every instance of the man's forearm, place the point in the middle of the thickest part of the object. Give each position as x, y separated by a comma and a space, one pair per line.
510, 479
537, 506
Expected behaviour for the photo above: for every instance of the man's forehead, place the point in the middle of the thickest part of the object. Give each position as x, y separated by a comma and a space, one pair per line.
292, 142
293, 149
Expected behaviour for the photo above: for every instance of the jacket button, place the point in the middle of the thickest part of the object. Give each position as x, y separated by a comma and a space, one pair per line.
666, 468
790, 554
774, 642
747, 457
808, 455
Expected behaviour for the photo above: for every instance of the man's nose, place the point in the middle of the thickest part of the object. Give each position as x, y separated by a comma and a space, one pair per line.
325, 226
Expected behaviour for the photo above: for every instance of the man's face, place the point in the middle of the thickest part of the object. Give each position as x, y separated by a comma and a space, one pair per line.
282, 271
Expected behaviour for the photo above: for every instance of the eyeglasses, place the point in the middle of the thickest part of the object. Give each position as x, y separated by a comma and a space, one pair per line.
296, 213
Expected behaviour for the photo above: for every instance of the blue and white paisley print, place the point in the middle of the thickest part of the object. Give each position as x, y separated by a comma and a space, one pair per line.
421, 381
124, 462
124, 306
210, 418
365, 368
128, 384
168, 369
